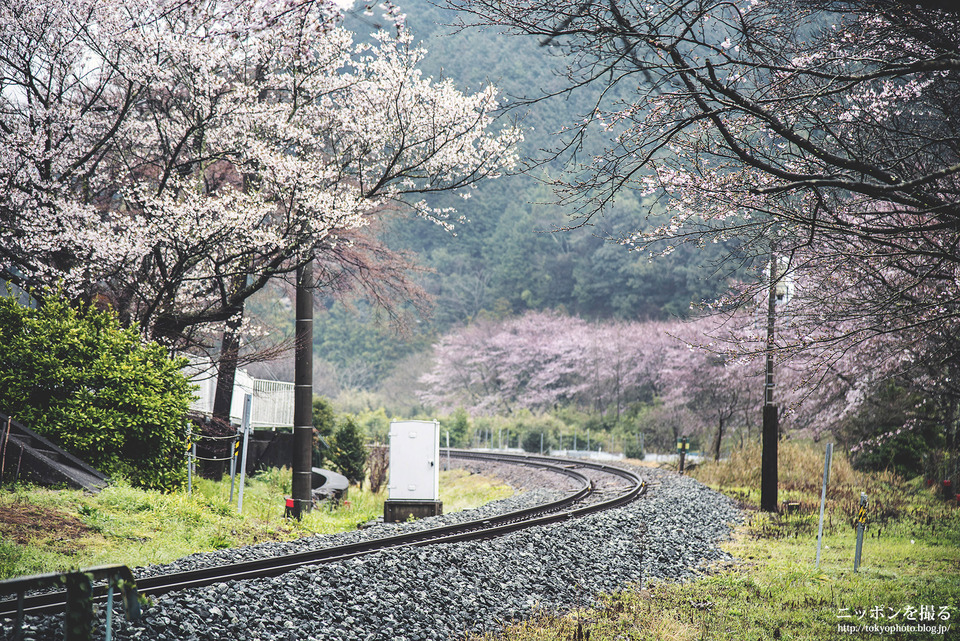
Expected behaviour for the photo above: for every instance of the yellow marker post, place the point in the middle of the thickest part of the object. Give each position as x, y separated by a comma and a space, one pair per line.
861, 524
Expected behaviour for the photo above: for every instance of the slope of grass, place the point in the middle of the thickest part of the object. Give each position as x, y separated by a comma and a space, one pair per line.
46, 530
909, 575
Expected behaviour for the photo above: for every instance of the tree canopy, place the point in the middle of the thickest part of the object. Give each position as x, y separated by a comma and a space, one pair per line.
175, 156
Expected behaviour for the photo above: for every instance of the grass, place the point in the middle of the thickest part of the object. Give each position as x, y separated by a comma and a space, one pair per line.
461, 490
911, 558
49, 530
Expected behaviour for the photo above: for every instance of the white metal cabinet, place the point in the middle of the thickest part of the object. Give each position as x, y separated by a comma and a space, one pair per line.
414, 461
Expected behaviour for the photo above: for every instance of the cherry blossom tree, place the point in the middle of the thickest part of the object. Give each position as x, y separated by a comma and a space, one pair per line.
718, 389
541, 361
821, 132
819, 127
175, 155
490, 367
686, 371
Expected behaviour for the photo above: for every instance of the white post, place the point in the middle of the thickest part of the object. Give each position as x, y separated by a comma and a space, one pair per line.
234, 450
191, 454
823, 497
109, 623
245, 427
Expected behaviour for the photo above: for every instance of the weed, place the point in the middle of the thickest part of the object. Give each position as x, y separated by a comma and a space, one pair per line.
220, 540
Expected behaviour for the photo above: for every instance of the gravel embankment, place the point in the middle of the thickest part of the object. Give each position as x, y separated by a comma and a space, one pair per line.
441, 592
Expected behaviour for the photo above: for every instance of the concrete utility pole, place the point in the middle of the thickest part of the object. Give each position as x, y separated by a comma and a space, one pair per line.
768, 461
303, 394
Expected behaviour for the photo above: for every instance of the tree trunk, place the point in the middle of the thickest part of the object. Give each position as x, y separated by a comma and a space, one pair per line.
716, 447
223, 396
227, 366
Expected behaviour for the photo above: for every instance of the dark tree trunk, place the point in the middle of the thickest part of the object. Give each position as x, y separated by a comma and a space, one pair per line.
227, 365
716, 446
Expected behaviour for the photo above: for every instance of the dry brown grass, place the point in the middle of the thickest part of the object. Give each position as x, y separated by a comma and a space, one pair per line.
800, 468
800, 477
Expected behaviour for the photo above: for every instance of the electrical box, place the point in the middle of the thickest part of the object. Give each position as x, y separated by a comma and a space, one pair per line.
414, 461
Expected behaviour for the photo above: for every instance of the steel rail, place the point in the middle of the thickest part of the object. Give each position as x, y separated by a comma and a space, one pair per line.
544, 514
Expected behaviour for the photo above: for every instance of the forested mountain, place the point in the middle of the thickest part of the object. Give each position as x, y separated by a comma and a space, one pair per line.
505, 259
508, 257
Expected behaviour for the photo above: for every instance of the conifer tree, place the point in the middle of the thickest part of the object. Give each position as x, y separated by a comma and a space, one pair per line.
349, 454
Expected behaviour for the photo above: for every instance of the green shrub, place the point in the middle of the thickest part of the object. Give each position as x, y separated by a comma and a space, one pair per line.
375, 424
349, 454
632, 449
895, 430
532, 442
95, 389
324, 422
903, 453
458, 424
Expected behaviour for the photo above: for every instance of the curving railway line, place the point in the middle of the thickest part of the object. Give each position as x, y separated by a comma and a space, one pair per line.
600, 487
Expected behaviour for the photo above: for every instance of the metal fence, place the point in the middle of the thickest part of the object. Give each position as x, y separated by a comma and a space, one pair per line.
272, 400
272, 403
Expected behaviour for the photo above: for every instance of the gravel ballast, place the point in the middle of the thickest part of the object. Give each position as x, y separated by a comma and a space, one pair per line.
444, 591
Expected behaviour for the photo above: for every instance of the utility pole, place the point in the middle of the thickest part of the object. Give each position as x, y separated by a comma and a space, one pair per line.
768, 462
303, 394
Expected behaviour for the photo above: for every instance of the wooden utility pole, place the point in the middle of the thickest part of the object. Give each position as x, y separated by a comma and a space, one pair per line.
303, 394
768, 462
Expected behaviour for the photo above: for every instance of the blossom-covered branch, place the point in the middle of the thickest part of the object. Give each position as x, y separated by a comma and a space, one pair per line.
175, 155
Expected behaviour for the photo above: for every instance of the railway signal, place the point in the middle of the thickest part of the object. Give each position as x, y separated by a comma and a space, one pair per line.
682, 446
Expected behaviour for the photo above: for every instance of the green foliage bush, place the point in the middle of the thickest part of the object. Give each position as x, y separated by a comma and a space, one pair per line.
893, 431
458, 424
95, 389
324, 422
903, 453
632, 449
532, 442
349, 454
324, 417
375, 424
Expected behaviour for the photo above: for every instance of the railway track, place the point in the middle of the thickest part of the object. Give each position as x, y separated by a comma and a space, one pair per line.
600, 487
